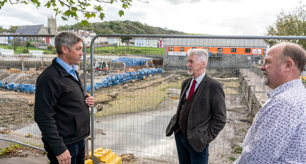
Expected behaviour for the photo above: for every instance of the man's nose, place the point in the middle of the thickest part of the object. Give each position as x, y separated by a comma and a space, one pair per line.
262, 67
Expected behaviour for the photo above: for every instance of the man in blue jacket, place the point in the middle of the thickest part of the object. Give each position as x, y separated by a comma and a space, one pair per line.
61, 105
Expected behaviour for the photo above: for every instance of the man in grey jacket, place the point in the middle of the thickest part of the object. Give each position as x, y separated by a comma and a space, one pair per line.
201, 113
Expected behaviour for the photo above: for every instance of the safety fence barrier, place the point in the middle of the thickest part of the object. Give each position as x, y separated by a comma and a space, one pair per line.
133, 108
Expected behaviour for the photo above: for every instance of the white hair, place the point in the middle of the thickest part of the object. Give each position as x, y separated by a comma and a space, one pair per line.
201, 53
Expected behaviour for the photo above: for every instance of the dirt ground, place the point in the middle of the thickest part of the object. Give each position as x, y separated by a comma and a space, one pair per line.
17, 111
16, 107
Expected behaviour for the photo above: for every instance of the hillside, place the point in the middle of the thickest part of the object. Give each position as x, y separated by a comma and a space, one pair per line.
120, 27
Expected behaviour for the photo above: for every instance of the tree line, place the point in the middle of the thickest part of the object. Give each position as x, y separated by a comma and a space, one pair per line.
120, 27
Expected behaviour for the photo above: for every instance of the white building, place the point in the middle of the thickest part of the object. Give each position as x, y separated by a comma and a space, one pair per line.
143, 42
116, 41
4, 40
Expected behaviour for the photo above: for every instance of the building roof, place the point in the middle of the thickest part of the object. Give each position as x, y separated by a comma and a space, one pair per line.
29, 29
196, 42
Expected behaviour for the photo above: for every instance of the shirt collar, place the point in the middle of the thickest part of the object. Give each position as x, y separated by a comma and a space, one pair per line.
67, 67
285, 86
200, 78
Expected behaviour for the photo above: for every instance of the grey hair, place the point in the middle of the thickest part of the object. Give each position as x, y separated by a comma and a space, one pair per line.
67, 39
201, 53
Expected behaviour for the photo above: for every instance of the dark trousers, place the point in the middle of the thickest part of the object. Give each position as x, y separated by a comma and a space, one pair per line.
186, 153
77, 152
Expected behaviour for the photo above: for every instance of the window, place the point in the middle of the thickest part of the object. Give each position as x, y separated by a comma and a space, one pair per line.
233, 49
170, 48
182, 48
247, 50
220, 50
194, 48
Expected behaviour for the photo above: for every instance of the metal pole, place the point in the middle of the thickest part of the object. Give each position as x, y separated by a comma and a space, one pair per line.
20, 143
92, 108
85, 91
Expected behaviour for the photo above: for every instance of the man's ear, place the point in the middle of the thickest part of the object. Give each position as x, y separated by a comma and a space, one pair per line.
204, 63
288, 64
64, 49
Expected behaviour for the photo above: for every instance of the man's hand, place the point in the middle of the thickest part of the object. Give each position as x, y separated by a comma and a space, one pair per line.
90, 101
64, 158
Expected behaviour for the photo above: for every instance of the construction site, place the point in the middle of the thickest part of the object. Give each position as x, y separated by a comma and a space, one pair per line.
123, 112
135, 97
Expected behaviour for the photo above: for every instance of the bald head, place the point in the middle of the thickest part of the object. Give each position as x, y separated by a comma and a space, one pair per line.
283, 62
294, 52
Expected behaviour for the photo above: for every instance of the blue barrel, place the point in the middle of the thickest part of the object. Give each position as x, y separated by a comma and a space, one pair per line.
88, 88
10, 86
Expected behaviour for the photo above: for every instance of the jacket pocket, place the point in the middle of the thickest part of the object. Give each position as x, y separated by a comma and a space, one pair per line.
66, 127
202, 134
82, 123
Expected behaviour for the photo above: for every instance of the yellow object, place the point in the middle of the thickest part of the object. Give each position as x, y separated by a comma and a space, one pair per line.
106, 156
88, 161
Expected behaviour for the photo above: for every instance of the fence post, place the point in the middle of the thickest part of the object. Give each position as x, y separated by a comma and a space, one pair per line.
85, 91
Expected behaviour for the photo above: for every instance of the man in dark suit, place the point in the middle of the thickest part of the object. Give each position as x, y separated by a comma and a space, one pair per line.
201, 113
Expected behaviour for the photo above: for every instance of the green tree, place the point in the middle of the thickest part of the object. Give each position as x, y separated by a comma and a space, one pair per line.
73, 8
289, 24
2, 29
16, 42
126, 39
119, 27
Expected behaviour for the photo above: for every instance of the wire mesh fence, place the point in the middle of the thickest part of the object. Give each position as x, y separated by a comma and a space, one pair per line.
137, 83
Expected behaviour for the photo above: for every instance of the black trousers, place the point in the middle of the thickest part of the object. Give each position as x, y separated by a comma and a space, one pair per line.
77, 152
186, 153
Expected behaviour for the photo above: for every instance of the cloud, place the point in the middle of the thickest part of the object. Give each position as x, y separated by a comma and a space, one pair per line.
23, 15
231, 1
177, 2
247, 25
218, 17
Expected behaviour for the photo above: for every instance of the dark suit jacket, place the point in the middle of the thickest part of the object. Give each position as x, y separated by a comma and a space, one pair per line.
207, 115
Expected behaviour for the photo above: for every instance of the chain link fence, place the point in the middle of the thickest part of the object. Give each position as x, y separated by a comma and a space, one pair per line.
136, 82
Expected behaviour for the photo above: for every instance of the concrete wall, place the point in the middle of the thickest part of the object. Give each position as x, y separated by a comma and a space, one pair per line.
23, 64
252, 101
172, 62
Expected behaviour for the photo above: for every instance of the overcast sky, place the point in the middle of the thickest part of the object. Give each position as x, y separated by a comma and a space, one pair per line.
215, 17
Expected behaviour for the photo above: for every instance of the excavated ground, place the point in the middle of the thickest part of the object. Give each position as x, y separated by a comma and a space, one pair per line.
17, 108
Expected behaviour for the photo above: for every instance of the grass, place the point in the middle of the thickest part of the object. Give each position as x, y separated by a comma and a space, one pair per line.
232, 158
138, 100
19, 49
131, 50
237, 149
231, 84
112, 50
230, 91
10, 150
231, 87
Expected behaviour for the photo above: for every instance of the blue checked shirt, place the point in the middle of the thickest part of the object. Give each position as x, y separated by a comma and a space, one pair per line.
278, 133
